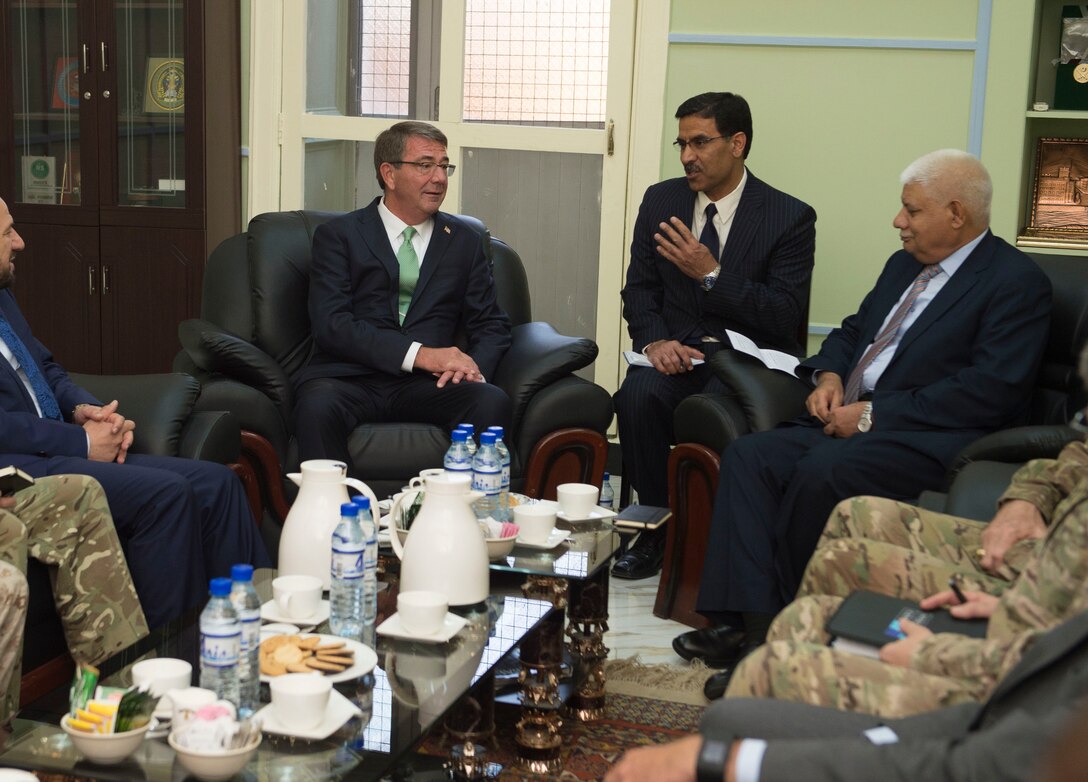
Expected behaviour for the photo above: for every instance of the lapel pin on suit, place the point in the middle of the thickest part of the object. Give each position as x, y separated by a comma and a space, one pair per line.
446, 229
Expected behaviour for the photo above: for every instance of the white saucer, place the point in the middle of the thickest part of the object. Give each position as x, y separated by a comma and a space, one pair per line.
598, 513
270, 612
554, 539
365, 659
450, 627
339, 711
278, 628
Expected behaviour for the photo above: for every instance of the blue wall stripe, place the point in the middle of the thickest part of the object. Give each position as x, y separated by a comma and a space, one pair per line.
837, 43
978, 81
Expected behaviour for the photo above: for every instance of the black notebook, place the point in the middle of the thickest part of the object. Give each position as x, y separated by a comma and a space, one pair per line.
642, 517
872, 618
12, 479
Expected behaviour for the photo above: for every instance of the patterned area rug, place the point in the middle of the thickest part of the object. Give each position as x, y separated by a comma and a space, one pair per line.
589, 749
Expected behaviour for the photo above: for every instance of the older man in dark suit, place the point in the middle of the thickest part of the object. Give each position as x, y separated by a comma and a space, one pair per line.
393, 287
749, 270
944, 349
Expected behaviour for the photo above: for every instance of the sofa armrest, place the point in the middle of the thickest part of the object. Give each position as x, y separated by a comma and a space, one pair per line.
539, 355
220, 352
159, 404
213, 436
1016, 445
713, 419
767, 396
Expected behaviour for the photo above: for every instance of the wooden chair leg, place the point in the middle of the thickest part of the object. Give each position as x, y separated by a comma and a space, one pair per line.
47, 676
693, 483
266, 465
245, 472
565, 456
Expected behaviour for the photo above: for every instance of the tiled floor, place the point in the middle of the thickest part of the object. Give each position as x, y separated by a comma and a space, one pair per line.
633, 628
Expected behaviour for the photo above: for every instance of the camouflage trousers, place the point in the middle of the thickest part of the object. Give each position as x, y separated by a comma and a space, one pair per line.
64, 522
903, 550
883, 546
13, 602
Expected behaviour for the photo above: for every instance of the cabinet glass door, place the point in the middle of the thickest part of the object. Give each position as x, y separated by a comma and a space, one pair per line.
150, 105
48, 63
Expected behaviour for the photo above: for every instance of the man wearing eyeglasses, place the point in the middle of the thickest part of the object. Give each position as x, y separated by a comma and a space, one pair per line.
713, 250
390, 286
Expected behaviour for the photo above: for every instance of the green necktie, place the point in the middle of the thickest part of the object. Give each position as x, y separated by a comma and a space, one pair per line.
409, 270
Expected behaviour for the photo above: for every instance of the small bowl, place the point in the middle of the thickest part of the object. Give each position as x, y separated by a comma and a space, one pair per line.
105, 748
214, 766
500, 548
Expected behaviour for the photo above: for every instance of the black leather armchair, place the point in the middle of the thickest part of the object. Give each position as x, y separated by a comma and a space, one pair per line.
162, 407
254, 336
758, 398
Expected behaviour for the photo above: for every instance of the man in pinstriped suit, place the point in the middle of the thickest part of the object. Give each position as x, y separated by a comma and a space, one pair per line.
747, 268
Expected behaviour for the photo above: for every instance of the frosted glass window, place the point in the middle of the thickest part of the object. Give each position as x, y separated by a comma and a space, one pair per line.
383, 81
536, 62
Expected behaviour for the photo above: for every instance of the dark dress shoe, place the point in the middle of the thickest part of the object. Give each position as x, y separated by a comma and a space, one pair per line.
718, 647
716, 685
639, 562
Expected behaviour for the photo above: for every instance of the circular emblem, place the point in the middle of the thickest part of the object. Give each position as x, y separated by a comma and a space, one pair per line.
1080, 73
39, 169
166, 87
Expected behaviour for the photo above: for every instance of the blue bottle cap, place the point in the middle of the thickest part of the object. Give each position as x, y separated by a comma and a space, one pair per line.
459, 435
241, 573
487, 438
349, 509
498, 430
606, 477
361, 502
220, 587
470, 428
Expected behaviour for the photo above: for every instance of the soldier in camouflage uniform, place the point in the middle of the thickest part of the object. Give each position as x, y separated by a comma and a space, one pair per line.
1034, 554
13, 602
64, 522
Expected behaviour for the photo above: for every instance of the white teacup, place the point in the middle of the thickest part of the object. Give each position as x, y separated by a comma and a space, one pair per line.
159, 675
299, 700
297, 597
187, 699
419, 481
535, 522
577, 500
422, 612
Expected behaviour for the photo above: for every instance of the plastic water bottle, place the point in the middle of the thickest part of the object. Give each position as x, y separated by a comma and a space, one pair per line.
346, 591
470, 441
457, 459
608, 497
247, 605
504, 458
487, 477
220, 643
370, 558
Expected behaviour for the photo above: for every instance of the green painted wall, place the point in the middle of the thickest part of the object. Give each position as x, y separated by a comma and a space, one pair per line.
836, 126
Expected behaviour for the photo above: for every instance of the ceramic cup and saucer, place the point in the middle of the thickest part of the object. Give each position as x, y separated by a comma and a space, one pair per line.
423, 616
296, 600
305, 705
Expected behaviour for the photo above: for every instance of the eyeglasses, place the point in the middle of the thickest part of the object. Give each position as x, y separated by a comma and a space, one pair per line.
699, 141
425, 167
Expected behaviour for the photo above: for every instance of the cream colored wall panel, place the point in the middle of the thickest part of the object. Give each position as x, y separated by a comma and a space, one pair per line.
834, 127
941, 19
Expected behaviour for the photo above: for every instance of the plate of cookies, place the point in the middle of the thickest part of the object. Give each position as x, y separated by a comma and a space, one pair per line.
340, 659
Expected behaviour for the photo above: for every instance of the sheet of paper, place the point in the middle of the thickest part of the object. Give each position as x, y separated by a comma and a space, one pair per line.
772, 359
639, 360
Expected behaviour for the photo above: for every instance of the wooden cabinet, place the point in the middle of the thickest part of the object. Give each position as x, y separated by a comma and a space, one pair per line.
119, 158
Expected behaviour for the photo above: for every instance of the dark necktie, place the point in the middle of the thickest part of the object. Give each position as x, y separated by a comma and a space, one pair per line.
887, 334
46, 400
709, 236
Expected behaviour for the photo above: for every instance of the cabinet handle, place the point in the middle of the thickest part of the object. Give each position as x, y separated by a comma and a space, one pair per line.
90, 280
105, 280
86, 59
105, 52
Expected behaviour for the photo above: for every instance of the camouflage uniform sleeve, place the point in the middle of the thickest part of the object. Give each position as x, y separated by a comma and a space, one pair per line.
1046, 482
986, 660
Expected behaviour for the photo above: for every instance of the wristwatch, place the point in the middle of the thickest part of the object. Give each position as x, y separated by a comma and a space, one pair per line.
865, 423
713, 756
711, 277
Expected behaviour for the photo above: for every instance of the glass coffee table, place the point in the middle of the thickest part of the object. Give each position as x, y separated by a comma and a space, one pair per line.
414, 688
